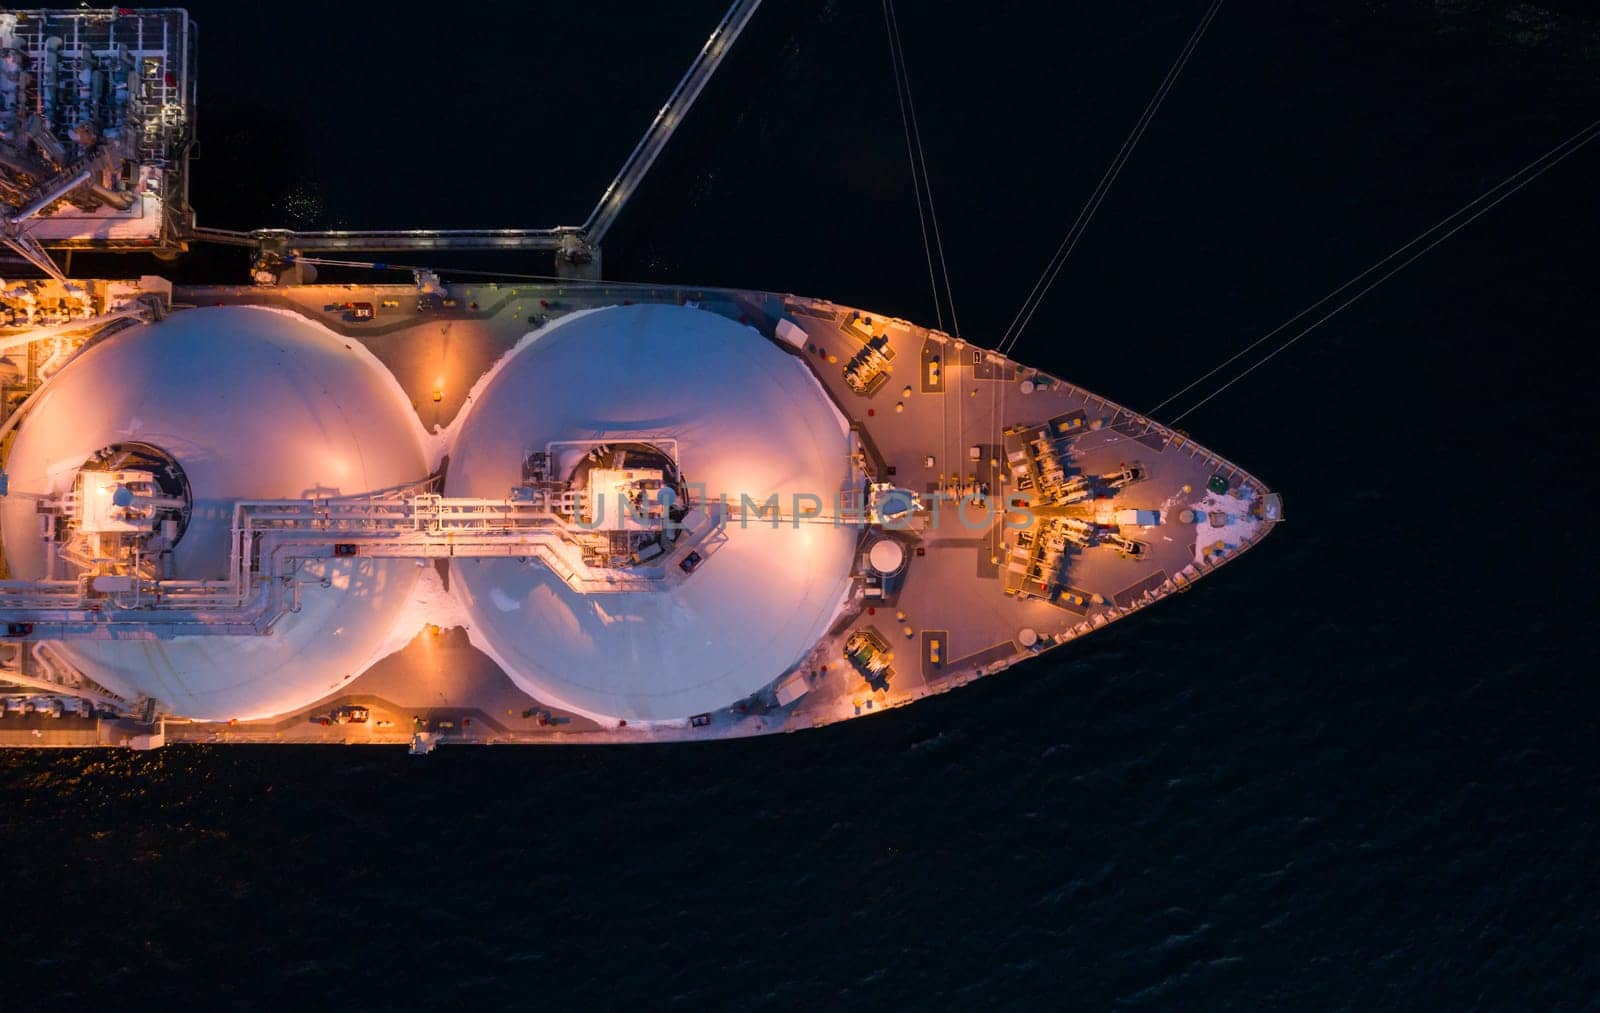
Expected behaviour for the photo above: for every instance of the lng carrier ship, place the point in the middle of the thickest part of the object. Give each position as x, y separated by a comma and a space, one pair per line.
547, 511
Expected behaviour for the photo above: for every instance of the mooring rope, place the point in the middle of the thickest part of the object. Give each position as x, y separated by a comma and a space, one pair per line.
1047, 278
922, 164
916, 180
1445, 228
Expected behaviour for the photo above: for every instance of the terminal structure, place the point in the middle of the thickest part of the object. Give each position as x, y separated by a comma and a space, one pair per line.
582, 511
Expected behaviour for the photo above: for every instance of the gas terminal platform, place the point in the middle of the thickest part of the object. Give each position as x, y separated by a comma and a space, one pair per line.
560, 511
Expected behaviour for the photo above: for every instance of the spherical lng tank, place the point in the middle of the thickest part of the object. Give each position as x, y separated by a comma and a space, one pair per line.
743, 417
251, 404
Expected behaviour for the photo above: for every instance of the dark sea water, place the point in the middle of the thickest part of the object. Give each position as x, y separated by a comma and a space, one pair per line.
1355, 770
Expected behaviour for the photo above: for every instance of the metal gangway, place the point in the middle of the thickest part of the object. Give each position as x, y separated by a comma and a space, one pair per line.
577, 246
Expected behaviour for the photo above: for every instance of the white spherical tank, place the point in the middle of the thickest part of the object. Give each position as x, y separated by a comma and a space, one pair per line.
742, 417
251, 404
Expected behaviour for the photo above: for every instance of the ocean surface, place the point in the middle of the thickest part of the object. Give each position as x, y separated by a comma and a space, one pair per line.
1354, 770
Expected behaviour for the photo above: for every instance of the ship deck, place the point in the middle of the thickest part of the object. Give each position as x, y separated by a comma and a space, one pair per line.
936, 419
